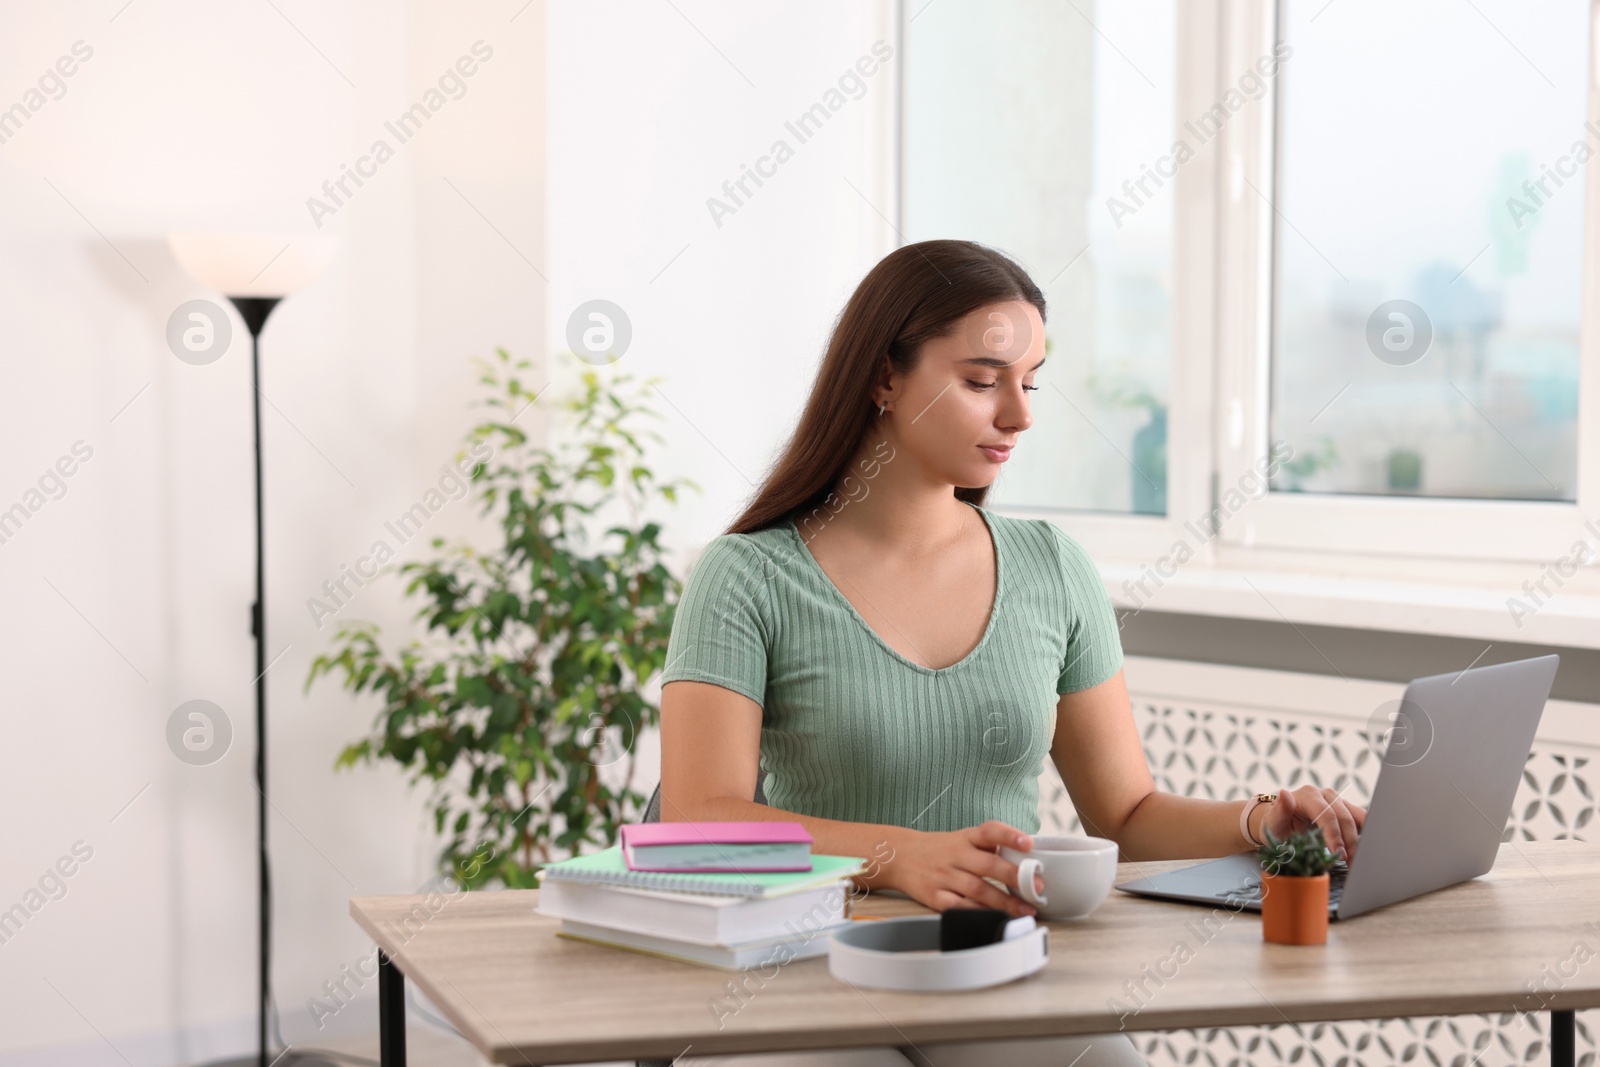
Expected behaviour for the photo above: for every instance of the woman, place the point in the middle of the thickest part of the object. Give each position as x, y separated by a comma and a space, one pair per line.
900, 659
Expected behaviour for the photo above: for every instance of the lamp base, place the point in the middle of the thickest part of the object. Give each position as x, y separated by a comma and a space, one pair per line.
290, 1057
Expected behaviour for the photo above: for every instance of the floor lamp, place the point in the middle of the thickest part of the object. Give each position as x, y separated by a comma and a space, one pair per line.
255, 271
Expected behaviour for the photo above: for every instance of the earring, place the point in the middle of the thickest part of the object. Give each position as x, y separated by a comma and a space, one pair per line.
882, 406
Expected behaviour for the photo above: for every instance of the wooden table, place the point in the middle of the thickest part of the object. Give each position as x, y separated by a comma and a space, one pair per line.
525, 996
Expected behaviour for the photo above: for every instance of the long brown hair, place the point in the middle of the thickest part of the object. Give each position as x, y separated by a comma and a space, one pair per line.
914, 294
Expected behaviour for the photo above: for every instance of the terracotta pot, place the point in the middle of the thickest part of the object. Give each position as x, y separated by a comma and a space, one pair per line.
1294, 909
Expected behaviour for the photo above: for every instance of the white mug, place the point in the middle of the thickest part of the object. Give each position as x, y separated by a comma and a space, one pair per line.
1078, 873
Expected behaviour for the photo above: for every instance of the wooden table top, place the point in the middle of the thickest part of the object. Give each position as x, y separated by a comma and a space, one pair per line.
523, 995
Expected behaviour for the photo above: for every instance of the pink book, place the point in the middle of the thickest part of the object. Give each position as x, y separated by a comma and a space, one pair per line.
690, 847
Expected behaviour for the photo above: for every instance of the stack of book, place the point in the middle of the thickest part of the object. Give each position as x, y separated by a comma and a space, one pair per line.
728, 895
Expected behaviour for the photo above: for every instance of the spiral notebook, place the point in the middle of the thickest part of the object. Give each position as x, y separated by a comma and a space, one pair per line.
705, 847
609, 868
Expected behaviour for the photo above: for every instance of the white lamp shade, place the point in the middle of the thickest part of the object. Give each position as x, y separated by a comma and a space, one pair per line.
253, 264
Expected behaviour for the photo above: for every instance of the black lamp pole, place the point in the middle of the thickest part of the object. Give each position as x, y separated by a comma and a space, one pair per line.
254, 311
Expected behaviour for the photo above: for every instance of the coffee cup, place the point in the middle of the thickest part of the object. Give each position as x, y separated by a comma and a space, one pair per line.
1077, 872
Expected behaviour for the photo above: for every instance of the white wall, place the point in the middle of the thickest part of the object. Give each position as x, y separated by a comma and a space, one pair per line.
197, 116
651, 112
130, 594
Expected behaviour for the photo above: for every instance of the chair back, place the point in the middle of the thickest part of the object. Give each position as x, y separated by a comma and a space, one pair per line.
652, 811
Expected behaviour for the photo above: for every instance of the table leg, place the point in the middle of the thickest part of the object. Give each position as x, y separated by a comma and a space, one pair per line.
392, 1014
1563, 1038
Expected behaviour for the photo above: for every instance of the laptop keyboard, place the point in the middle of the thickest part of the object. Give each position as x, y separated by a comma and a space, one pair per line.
1250, 891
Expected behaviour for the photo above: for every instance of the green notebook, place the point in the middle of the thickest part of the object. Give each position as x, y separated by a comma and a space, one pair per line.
609, 868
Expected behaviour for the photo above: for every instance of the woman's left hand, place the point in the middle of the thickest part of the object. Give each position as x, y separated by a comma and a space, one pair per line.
1307, 806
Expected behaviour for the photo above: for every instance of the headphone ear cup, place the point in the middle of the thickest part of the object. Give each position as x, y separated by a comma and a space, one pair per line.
961, 928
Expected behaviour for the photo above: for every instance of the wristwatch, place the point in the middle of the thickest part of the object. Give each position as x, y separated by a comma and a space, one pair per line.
1244, 816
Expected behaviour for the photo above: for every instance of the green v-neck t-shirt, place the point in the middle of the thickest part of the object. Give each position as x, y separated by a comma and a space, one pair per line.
852, 729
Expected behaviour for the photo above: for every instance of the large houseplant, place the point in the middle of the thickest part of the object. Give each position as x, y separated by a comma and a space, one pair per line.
1294, 887
521, 704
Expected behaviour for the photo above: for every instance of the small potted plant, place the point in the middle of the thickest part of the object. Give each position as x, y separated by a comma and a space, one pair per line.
1405, 469
1294, 887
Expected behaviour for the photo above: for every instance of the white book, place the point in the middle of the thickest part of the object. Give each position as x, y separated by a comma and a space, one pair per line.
737, 957
694, 917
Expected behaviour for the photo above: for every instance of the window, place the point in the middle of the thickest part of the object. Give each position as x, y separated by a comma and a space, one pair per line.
1029, 128
1382, 317
1340, 243
1428, 248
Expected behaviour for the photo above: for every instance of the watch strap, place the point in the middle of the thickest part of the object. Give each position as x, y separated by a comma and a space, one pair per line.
1244, 815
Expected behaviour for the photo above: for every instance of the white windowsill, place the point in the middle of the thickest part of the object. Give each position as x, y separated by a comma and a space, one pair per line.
1569, 618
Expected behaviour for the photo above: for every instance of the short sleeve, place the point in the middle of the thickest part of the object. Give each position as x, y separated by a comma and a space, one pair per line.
721, 631
1094, 640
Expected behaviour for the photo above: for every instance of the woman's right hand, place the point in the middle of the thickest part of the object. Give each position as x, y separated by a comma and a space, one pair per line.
947, 870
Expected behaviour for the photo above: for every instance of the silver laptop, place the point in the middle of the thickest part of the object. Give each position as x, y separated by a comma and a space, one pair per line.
1453, 757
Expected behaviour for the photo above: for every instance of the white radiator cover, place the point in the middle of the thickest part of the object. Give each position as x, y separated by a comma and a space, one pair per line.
1224, 732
